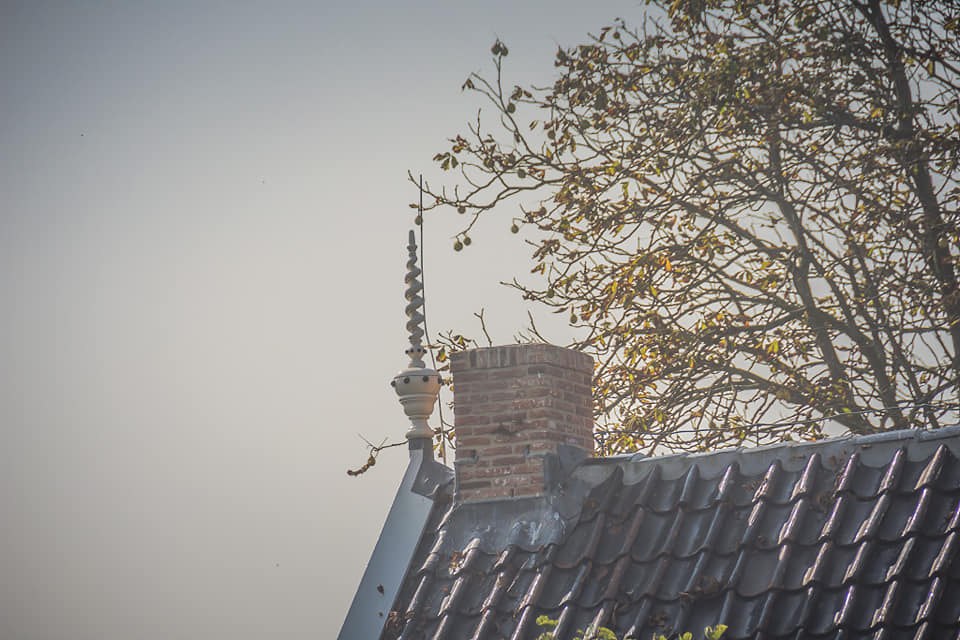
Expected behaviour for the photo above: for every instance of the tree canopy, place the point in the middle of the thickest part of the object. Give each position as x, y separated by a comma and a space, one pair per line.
748, 207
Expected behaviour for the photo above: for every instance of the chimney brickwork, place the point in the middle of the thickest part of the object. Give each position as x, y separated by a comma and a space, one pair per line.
513, 406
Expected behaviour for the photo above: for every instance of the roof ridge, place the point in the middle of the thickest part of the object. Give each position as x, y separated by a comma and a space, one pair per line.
894, 435
790, 454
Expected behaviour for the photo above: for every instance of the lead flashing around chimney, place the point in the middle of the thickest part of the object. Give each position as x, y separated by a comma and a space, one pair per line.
394, 550
558, 467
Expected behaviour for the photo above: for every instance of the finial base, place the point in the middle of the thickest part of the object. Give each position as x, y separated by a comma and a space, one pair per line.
417, 389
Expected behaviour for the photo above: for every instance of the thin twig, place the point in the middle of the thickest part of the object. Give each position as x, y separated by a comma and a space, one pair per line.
483, 327
372, 458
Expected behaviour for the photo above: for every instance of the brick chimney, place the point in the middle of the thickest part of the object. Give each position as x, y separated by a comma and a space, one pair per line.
513, 407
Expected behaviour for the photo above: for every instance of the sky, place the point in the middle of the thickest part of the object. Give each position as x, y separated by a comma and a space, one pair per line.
203, 230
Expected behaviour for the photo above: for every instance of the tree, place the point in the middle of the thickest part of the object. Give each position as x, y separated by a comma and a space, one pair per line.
749, 208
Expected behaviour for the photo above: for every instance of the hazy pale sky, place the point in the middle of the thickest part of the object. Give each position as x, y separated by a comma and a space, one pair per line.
203, 215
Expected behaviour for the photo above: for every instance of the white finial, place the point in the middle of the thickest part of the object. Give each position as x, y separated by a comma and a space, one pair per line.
414, 304
417, 386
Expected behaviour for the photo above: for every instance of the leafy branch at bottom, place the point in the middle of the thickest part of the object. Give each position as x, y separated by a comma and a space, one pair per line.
603, 633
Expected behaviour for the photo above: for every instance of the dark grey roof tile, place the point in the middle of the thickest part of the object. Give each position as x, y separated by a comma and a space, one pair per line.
808, 482
741, 613
894, 474
831, 565
946, 559
664, 496
859, 606
525, 624
471, 595
896, 524
673, 574
648, 544
540, 581
695, 527
774, 487
513, 598
852, 512
614, 584
870, 526
752, 532
767, 532
488, 626
947, 606
801, 525
786, 612
933, 468
897, 559
861, 568
834, 506
565, 621
802, 557
845, 481
754, 571
726, 487
731, 533
633, 617
719, 519
448, 626
689, 494
629, 496
572, 554
673, 537
621, 536
904, 603
638, 581
564, 586
866, 481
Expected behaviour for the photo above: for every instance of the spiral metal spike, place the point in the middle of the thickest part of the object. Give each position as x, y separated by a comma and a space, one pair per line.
414, 305
417, 386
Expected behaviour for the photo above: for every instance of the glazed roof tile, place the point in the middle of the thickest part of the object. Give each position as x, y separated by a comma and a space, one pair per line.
847, 538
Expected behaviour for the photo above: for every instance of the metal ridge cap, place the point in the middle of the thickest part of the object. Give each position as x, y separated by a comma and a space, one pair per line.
593, 471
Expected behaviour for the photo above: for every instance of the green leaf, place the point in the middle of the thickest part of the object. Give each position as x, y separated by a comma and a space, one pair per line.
546, 621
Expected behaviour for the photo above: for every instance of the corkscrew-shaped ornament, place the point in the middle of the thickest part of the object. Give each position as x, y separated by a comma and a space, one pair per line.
417, 386
414, 305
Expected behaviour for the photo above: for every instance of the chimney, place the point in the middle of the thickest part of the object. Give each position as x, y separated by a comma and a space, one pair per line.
513, 407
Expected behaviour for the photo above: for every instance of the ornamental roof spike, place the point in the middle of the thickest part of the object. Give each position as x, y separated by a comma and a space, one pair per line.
417, 386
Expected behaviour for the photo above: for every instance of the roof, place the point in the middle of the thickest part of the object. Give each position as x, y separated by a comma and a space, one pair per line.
849, 537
